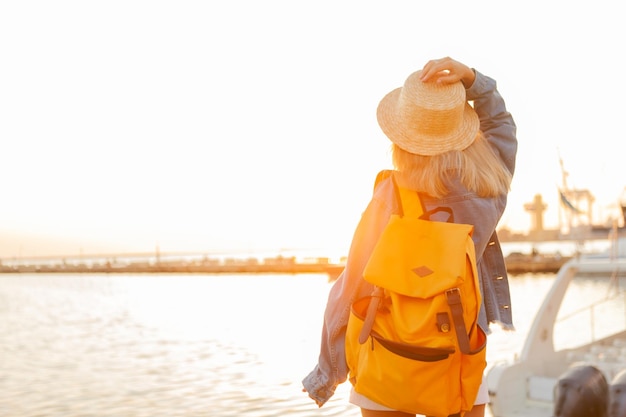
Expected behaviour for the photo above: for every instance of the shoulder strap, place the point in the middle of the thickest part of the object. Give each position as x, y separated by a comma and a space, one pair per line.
409, 200
456, 307
412, 205
384, 174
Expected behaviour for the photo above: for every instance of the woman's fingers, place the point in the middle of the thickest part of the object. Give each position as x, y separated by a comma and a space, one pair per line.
447, 71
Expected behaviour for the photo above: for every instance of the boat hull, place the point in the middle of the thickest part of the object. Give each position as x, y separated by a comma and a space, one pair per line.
565, 334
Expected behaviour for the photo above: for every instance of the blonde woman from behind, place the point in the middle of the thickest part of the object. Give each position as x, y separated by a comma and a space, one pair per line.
455, 155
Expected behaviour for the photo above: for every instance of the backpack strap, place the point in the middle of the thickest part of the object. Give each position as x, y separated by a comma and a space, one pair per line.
384, 174
408, 200
372, 308
411, 202
456, 307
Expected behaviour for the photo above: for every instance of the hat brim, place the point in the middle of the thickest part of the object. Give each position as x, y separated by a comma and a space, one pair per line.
394, 126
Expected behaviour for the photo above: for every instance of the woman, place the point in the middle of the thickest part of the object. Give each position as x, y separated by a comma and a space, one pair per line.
462, 158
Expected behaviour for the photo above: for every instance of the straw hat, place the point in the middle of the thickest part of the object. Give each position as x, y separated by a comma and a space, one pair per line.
428, 118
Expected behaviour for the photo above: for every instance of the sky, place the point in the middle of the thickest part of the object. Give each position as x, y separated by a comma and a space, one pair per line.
222, 126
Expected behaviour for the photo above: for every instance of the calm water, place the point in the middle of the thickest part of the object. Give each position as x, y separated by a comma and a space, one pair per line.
185, 345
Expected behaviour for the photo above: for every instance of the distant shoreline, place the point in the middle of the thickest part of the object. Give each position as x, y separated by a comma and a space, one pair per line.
332, 270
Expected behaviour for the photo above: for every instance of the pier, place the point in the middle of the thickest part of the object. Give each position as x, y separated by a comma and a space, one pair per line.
155, 263
146, 263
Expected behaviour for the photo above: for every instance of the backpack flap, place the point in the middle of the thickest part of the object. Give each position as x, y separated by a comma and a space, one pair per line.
419, 258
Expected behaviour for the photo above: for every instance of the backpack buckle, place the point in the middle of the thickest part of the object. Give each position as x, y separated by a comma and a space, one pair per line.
443, 322
454, 296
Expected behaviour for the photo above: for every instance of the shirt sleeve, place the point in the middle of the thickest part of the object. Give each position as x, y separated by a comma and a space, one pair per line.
496, 122
332, 369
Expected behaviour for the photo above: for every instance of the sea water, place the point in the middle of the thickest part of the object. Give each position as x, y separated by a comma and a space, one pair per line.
81, 345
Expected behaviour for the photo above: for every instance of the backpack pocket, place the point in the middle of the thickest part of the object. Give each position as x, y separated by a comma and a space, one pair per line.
375, 364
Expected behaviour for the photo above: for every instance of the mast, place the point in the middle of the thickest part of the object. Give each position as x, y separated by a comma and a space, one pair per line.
570, 206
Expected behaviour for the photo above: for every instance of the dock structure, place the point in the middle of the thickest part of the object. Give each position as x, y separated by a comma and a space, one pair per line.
575, 224
536, 263
167, 264
576, 220
517, 263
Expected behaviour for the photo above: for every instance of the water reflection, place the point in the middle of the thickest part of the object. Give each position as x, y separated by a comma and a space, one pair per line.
146, 345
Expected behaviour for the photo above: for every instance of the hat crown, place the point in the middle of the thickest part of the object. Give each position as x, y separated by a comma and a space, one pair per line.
428, 118
430, 108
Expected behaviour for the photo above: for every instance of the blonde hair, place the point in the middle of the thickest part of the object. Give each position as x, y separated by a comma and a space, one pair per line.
478, 167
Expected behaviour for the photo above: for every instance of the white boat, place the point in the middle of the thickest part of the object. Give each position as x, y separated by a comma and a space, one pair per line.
582, 321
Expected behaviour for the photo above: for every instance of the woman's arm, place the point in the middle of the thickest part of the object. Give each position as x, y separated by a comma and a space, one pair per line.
332, 369
496, 123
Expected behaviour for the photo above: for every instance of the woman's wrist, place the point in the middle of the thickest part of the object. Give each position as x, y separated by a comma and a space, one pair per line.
469, 78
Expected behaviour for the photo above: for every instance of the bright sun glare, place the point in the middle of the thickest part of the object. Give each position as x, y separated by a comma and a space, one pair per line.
217, 126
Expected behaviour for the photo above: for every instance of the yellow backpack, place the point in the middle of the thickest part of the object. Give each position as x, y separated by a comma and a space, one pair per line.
414, 345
